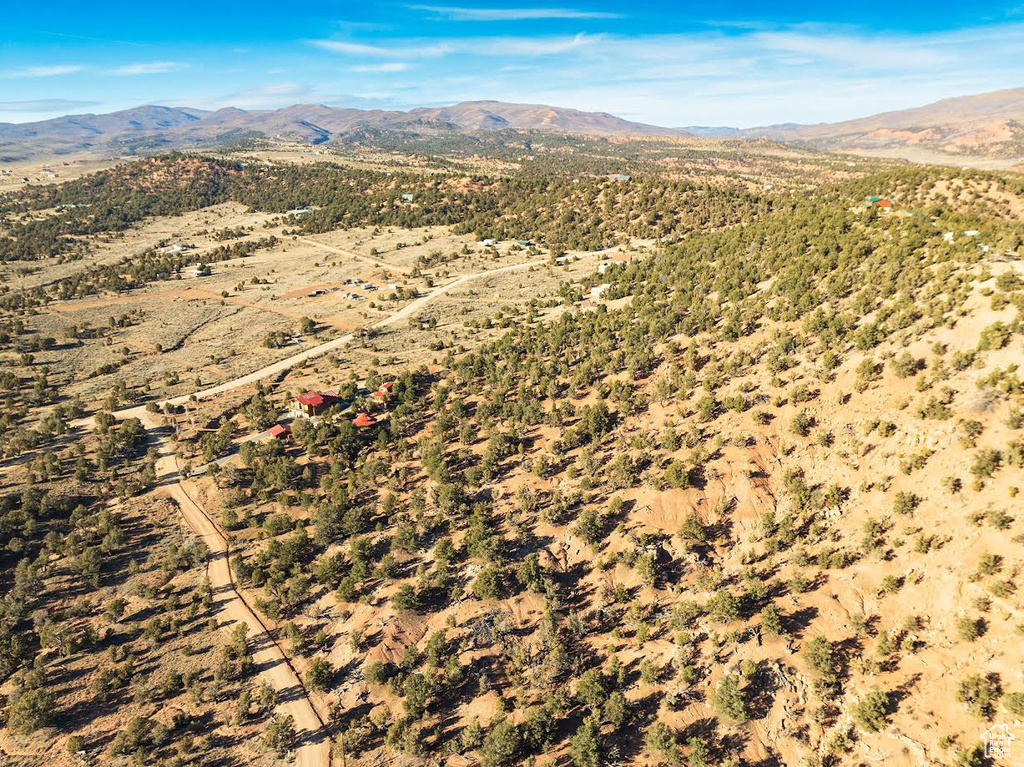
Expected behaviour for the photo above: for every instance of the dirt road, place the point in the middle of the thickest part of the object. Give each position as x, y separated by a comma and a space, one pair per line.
281, 366
312, 739
313, 743
313, 748
349, 254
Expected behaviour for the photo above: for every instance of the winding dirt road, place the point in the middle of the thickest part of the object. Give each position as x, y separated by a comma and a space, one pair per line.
313, 742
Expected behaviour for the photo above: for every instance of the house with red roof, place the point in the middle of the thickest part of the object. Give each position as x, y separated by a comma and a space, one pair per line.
363, 420
383, 392
280, 431
313, 403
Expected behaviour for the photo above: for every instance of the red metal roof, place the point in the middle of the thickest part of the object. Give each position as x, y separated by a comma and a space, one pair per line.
315, 399
364, 419
387, 386
279, 429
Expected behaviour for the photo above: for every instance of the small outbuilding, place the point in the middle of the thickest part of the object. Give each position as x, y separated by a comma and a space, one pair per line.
280, 431
364, 420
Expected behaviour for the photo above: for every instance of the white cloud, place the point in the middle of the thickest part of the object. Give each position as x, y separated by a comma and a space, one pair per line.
148, 68
527, 46
738, 75
479, 46
510, 14
404, 51
853, 50
42, 71
390, 66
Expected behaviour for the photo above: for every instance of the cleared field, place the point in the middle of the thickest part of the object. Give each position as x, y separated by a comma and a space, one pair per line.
174, 335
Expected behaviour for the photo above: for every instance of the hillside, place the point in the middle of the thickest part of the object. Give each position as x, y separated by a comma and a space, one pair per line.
688, 468
988, 125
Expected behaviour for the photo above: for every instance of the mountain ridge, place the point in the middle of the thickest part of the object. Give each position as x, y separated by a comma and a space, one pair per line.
978, 128
980, 125
182, 127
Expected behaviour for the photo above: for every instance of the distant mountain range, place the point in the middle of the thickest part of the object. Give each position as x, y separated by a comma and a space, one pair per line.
989, 126
160, 127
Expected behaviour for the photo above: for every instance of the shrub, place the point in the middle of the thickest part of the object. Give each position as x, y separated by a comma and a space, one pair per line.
871, 713
502, 744
972, 757
979, 693
320, 675
771, 620
905, 502
995, 336
802, 423
661, 740
905, 365
970, 629
730, 700
986, 461
1014, 703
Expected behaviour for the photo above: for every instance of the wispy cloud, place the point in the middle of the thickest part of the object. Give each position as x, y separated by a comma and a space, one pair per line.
478, 46
453, 13
529, 46
42, 71
148, 68
45, 105
854, 50
398, 51
390, 66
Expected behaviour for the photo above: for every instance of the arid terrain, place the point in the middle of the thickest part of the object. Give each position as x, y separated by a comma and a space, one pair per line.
627, 451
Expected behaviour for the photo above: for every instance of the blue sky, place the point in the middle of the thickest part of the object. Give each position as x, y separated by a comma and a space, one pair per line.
668, 63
